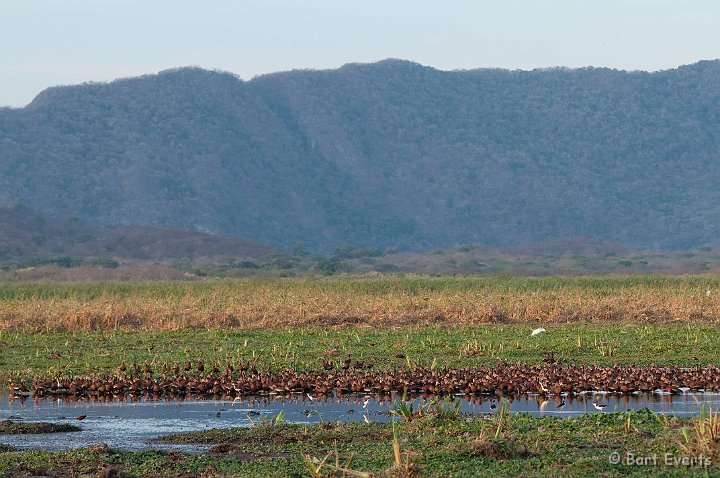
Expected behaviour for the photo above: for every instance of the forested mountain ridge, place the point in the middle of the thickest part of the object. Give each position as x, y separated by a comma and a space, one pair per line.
385, 154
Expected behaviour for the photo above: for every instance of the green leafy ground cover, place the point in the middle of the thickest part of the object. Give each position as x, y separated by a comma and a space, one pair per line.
500, 445
29, 355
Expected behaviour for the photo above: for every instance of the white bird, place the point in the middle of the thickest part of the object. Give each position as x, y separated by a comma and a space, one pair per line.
537, 331
365, 403
599, 406
312, 399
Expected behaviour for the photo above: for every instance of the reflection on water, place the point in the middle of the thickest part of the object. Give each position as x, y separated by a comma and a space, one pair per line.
131, 422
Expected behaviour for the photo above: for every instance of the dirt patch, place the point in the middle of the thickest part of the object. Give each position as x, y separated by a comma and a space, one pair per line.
100, 449
232, 451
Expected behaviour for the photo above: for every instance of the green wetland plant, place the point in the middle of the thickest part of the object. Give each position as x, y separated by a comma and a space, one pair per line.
445, 409
407, 409
267, 421
441, 409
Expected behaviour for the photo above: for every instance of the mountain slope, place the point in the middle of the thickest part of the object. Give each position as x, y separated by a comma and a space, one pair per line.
386, 154
25, 235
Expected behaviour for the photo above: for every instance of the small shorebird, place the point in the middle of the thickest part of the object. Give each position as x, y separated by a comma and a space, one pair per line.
599, 406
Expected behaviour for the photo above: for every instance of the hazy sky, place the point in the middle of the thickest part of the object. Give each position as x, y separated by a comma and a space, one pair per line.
51, 42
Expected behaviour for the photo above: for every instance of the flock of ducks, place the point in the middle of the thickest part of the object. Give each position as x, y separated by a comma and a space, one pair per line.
501, 380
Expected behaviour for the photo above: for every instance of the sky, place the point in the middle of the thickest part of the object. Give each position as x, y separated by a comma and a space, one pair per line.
51, 42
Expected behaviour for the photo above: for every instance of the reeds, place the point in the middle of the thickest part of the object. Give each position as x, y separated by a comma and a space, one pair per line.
384, 301
402, 467
704, 438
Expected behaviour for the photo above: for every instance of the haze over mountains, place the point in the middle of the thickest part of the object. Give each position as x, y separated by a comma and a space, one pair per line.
391, 154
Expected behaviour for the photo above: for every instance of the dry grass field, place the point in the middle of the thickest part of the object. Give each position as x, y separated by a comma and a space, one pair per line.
356, 302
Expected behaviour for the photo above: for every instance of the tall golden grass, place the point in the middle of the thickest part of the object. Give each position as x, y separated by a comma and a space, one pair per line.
362, 302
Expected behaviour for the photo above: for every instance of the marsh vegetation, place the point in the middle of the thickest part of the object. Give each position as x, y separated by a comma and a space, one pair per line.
394, 323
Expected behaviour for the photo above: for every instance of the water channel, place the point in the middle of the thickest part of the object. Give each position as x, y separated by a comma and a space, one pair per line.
131, 423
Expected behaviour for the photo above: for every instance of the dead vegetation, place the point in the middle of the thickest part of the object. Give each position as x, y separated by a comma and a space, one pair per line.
348, 302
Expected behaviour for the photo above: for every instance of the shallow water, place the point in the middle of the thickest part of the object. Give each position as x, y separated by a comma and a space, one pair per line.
132, 423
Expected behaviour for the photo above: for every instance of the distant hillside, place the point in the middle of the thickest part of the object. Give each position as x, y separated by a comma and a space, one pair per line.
27, 237
391, 154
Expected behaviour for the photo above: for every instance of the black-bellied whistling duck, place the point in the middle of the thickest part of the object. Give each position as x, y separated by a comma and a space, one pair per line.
504, 379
